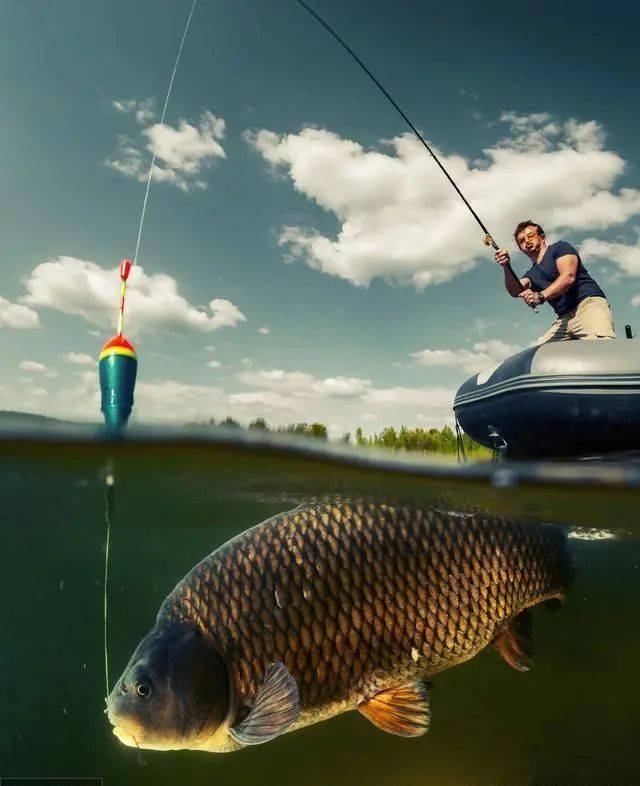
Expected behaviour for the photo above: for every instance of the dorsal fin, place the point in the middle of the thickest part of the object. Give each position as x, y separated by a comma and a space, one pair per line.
276, 707
515, 642
404, 711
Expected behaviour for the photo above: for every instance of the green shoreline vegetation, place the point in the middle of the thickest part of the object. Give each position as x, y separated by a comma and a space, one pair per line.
431, 440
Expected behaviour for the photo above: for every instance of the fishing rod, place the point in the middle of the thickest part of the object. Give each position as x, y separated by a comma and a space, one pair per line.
488, 239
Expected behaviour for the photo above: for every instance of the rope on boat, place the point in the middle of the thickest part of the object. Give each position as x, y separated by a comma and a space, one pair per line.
460, 443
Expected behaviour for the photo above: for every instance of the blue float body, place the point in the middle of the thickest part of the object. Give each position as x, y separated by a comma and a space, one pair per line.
117, 382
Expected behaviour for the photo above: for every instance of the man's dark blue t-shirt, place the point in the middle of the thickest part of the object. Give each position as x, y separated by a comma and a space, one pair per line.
543, 273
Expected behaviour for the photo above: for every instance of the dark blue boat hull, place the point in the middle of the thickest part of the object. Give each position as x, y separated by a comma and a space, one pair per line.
568, 399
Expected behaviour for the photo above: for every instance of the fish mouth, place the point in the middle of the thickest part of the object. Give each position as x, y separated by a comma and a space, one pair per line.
128, 732
125, 737
133, 734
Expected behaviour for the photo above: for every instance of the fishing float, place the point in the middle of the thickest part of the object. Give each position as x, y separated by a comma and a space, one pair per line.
118, 361
118, 366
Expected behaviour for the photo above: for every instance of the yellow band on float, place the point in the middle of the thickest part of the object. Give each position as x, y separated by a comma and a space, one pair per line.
118, 351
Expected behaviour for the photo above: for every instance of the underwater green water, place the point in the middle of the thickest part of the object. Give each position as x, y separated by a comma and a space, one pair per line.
573, 719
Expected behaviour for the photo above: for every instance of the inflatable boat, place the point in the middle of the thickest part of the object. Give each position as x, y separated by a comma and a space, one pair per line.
561, 399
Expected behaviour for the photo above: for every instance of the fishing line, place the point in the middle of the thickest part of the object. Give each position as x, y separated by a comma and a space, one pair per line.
108, 514
124, 273
488, 239
155, 147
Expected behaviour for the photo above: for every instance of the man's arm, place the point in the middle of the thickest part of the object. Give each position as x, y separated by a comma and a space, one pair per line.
502, 258
568, 270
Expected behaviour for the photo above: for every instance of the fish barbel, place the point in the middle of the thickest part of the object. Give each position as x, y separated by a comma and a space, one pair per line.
330, 607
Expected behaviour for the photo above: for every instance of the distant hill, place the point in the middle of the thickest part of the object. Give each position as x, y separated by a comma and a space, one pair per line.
8, 418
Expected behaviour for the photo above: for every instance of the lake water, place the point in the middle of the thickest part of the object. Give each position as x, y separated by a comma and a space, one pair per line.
573, 719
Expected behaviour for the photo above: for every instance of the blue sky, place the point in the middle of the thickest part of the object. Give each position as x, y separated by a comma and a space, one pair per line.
302, 258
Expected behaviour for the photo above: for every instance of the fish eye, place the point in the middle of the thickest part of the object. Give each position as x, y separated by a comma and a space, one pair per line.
142, 689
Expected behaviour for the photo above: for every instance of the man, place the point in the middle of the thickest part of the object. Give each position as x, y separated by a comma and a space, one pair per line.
558, 276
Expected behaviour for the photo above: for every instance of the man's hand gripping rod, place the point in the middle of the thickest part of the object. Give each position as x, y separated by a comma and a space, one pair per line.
489, 241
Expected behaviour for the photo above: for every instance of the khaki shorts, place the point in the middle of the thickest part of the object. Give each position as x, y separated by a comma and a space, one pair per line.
590, 320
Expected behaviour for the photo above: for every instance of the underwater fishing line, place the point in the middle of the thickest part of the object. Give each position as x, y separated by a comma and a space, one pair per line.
164, 111
488, 239
108, 513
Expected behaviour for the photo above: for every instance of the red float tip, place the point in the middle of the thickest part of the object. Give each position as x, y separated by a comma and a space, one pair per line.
125, 269
118, 341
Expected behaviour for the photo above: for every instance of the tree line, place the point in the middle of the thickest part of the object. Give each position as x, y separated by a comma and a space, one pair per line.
431, 440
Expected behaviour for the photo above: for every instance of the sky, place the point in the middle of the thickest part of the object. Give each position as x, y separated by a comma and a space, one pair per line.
303, 258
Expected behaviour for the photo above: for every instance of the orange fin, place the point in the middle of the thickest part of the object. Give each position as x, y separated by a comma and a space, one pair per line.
515, 642
404, 711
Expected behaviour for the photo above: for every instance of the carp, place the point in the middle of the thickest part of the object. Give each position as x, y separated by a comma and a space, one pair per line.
334, 606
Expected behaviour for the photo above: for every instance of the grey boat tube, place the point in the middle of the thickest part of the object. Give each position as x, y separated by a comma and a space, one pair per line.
561, 399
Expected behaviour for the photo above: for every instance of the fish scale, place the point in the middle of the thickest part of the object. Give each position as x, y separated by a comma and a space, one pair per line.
358, 597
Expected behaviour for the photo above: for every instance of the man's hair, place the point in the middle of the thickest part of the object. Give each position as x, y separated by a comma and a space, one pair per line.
523, 225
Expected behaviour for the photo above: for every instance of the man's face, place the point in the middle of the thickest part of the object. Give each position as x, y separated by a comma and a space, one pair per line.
530, 241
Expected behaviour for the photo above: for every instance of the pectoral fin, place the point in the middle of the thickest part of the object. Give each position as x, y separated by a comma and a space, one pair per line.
404, 711
515, 642
276, 707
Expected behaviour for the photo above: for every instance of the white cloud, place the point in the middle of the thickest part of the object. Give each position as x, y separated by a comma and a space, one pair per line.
182, 153
286, 407
214, 364
78, 400
158, 402
32, 365
75, 286
209, 348
143, 111
38, 368
484, 354
17, 317
79, 359
225, 314
302, 385
264, 330
625, 257
425, 398
468, 94
399, 217
344, 402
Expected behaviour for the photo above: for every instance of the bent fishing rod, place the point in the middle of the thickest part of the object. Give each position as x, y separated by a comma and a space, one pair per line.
488, 239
